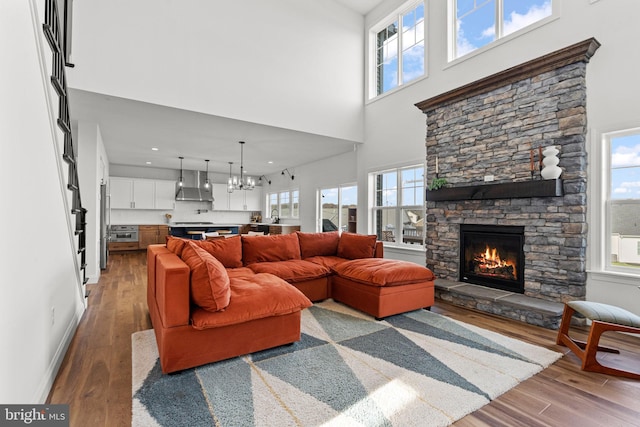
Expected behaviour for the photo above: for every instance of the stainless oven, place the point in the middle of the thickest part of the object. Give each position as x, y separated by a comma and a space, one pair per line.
123, 233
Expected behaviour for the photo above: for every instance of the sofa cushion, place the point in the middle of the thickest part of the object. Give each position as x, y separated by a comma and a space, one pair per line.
209, 281
226, 250
254, 297
327, 261
354, 246
239, 272
294, 270
176, 244
318, 244
383, 272
277, 247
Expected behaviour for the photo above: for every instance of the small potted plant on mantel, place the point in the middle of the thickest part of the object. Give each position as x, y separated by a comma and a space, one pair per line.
437, 183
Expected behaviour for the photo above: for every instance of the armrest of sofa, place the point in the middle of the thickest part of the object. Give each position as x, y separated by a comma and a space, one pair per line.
379, 250
172, 290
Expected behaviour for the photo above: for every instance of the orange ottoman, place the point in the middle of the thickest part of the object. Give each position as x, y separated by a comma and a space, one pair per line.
383, 287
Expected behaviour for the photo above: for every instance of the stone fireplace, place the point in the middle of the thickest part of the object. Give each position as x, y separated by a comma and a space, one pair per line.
487, 138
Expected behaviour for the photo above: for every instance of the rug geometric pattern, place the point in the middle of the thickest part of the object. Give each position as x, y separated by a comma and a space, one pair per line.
418, 368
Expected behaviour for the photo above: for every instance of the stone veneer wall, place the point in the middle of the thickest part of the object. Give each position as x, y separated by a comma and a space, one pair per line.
489, 128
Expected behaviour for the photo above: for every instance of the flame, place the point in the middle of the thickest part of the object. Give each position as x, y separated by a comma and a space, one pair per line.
490, 260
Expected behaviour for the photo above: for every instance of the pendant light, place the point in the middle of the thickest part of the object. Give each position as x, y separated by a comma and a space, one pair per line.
241, 183
206, 181
180, 183
230, 186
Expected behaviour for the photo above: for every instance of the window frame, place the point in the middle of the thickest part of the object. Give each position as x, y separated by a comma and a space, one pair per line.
275, 198
400, 208
499, 25
606, 201
340, 188
395, 16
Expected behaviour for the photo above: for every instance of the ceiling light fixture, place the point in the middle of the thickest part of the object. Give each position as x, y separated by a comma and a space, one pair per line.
180, 183
230, 182
240, 182
206, 180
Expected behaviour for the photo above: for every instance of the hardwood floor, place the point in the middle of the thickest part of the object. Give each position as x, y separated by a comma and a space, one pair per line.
95, 376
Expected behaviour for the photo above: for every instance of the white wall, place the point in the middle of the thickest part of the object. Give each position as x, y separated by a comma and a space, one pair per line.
91, 155
41, 299
278, 63
395, 130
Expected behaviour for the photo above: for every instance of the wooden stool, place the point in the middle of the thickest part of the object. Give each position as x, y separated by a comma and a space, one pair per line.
603, 318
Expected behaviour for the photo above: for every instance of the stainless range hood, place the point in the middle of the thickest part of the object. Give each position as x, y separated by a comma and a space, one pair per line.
193, 189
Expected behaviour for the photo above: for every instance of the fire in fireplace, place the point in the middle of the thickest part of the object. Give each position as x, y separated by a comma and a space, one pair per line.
492, 255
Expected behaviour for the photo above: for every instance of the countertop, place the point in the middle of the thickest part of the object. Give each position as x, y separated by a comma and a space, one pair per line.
275, 225
204, 224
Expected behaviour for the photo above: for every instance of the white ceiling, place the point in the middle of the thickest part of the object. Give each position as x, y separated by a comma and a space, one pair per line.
361, 6
130, 129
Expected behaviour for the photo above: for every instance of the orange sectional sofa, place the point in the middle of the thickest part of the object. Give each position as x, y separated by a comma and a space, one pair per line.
213, 300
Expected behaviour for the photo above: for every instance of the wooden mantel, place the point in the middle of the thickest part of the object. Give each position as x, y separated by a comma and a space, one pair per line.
582, 51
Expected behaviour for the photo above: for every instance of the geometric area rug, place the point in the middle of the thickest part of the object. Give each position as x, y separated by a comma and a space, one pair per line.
412, 369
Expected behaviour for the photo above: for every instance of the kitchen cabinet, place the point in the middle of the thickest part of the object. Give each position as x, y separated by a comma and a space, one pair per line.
239, 200
274, 228
132, 193
152, 235
165, 195
123, 246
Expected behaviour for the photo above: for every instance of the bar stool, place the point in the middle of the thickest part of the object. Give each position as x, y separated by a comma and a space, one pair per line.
196, 235
603, 318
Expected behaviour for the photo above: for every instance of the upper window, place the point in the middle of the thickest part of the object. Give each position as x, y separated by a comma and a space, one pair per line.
623, 200
480, 22
399, 48
398, 206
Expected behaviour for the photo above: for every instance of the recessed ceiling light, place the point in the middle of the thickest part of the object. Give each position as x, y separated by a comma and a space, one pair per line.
148, 163
270, 162
154, 148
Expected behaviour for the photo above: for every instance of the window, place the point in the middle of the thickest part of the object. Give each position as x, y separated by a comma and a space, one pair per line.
400, 48
398, 208
480, 22
623, 200
284, 204
335, 204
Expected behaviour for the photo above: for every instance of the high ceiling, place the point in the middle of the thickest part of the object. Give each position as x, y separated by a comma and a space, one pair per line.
131, 130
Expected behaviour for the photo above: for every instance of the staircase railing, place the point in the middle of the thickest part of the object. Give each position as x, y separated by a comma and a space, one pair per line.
55, 37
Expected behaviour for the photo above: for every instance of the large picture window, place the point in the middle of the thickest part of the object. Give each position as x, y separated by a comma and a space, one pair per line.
400, 48
398, 208
623, 201
477, 23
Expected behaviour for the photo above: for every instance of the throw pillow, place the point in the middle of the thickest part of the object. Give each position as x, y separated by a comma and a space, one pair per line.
209, 281
318, 244
354, 246
176, 244
276, 247
226, 250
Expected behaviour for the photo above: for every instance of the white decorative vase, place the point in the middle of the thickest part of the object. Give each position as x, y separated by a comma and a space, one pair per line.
550, 161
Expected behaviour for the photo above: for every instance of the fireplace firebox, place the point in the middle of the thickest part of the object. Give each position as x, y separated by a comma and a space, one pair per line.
492, 256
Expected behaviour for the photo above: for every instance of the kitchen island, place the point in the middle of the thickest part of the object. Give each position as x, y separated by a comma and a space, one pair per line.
270, 228
194, 230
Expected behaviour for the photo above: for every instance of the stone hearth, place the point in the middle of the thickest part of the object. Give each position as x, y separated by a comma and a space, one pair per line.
491, 128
